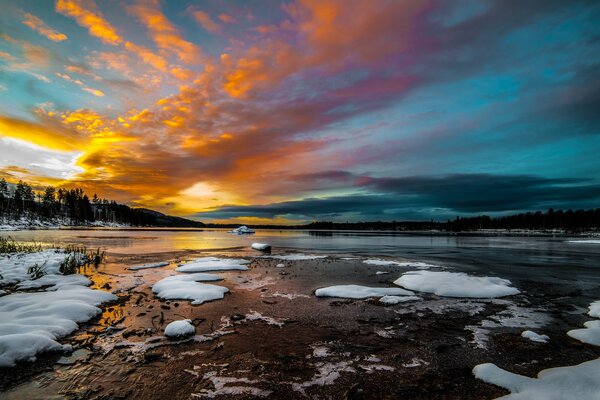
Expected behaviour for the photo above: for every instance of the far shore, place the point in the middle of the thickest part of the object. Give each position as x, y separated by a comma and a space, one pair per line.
483, 233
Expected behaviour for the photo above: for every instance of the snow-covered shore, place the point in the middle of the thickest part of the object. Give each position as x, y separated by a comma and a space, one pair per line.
34, 321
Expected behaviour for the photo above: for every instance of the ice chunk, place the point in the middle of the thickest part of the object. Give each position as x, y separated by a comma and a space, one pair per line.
594, 310
580, 381
146, 266
242, 230
187, 287
397, 299
261, 246
456, 284
535, 337
360, 292
206, 264
181, 328
590, 334
33, 322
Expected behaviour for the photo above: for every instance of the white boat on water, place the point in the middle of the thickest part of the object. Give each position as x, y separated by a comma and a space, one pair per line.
242, 230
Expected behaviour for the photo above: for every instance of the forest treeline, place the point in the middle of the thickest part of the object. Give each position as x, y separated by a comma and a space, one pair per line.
571, 221
568, 221
70, 206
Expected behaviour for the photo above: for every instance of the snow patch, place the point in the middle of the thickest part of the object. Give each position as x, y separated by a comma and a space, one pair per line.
256, 316
586, 241
590, 334
327, 374
187, 287
397, 299
594, 309
207, 264
580, 381
229, 386
360, 292
182, 328
261, 246
456, 284
33, 322
535, 337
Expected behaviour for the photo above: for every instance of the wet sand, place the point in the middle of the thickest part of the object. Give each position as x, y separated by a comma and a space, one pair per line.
270, 336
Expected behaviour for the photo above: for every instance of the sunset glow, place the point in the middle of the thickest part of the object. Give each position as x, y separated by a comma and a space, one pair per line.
286, 112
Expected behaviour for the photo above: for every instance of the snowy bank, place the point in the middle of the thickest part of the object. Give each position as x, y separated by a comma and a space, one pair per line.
360, 292
456, 284
33, 322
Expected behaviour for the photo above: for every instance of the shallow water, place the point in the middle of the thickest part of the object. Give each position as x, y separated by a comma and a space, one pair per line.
558, 279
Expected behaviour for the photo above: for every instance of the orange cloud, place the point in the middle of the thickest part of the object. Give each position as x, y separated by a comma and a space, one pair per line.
40, 27
147, 56
166, 36
50, 136
228, 19
88, 16
206, 22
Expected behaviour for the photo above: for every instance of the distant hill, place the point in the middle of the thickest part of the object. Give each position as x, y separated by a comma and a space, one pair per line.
169, 221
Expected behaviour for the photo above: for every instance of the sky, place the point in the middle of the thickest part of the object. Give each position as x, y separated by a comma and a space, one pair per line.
289, 112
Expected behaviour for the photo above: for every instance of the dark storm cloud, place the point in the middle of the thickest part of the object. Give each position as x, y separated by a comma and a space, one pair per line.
459, 194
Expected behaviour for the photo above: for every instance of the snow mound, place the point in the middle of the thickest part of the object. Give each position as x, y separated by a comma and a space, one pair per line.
180, 328
535, 337
594, 309
573, 382
456, 284
397, 299
261, 246
55, 282
206, 264
146, 266
187, 287
360, 292
590, 334
14, 267
297, 257
33, 322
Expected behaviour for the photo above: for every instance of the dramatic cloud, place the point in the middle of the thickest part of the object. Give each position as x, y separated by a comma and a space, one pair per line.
40, 27
307, 109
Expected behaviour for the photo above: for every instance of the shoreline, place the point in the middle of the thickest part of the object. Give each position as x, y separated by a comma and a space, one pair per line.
482, 233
